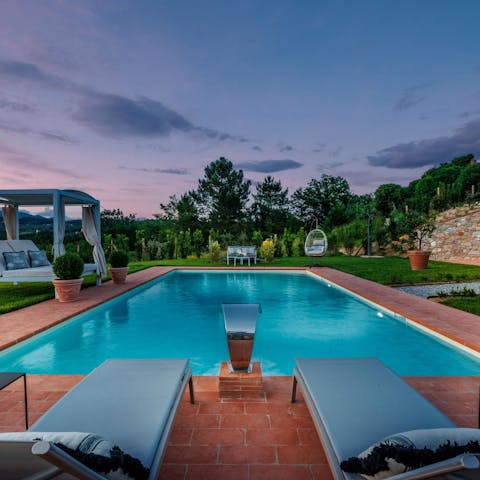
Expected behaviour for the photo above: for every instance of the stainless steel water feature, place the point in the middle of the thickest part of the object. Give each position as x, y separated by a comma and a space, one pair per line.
240, 324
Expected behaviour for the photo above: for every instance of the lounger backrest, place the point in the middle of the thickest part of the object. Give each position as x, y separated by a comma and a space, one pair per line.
128, 402
4, 247
360, 401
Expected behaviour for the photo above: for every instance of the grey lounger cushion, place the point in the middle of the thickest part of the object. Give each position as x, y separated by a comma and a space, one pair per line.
128, 402
356, 402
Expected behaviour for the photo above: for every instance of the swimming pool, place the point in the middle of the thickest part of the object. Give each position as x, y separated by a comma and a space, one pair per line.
179, 315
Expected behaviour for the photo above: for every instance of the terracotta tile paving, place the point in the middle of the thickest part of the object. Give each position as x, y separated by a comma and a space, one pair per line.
280, 443
246, 439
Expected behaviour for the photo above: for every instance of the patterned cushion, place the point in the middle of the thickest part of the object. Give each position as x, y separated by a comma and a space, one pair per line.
93, 451
15, 260
38, 258
406, 451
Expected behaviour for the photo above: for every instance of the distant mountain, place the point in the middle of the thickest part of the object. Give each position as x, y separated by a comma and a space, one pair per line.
27, 218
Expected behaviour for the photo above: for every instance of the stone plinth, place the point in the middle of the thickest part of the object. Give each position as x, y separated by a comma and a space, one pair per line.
241, 385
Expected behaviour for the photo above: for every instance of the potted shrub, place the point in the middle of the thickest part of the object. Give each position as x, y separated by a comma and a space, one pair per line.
68, 269
118, 266
418, 227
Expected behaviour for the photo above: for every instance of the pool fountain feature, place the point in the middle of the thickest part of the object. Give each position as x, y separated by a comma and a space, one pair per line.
240, 324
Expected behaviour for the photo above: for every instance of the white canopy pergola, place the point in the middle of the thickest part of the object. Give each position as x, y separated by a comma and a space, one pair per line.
13, 199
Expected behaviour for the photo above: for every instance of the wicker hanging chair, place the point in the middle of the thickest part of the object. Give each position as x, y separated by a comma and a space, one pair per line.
316, 243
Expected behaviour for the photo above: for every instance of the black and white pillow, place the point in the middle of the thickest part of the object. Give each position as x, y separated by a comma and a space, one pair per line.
15, 260
38, 258
93, 451
406, 451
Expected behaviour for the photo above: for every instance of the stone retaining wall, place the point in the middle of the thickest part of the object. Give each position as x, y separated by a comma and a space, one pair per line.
457, 234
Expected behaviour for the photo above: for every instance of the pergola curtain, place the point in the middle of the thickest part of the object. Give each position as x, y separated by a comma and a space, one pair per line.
10, 213
59, 226
89, 229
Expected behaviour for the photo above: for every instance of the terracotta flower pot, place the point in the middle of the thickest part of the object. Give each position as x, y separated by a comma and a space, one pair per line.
418, 259
68, 290
118, 274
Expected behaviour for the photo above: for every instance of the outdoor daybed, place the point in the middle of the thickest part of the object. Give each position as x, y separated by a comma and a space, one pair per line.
12, 200
356, 402
129, 403
29, 272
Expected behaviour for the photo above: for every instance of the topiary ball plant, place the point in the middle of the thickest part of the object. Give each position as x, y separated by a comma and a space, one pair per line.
68, 266
118, 259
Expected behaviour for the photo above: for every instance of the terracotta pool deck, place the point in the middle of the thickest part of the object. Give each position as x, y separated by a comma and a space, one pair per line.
249, 438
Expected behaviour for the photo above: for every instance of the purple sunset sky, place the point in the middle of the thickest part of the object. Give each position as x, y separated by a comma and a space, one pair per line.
130, 100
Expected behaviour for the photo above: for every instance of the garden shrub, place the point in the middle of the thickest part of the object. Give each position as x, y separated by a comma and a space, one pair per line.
267, 250
68, 266
214, 252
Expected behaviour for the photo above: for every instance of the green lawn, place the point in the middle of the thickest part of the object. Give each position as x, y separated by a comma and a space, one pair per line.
387, 271
470, 304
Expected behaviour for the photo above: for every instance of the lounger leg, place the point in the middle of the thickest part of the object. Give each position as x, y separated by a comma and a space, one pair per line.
190, 386
294, 389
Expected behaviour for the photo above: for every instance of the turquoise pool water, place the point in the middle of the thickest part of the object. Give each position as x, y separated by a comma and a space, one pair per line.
179, 315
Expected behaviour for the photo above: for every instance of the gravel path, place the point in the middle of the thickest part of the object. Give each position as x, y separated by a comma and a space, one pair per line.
426, 291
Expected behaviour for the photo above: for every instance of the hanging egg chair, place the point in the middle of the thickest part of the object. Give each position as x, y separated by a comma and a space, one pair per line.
316, 243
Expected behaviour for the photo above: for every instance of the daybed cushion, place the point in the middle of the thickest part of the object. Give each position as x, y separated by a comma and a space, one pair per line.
29, 272
4, 247
38, 258
15, 260
405, 451
93, 451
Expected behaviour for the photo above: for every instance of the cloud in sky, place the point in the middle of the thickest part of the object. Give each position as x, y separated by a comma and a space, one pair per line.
117, 116
56, 136
15, 106
283, 147
430, 151
30, 72
329, 165
269, 166
172, 171
319, 148
18, 161
47, 134
257, 148
114, 115
411, 97
222, 136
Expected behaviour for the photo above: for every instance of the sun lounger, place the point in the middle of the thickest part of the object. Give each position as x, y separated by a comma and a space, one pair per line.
42, 273
131, 403
357, 402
